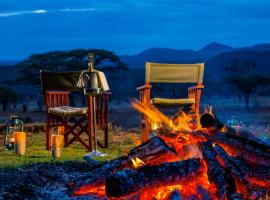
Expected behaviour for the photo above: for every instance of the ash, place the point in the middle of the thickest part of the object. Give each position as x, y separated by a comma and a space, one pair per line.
42, 181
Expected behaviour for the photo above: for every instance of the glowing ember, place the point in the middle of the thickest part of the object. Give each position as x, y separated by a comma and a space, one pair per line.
164, 192
97, 189
159, 193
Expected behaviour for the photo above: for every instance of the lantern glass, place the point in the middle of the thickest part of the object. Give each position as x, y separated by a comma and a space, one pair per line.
14, 124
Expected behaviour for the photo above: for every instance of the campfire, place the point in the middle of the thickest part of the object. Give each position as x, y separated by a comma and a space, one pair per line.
186, 159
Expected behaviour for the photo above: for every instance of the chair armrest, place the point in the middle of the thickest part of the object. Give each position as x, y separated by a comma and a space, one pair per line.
53, 92
196, 87
195, 91
107, 93
144, 87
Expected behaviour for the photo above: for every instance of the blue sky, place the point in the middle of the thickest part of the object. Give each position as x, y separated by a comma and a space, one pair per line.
129, 26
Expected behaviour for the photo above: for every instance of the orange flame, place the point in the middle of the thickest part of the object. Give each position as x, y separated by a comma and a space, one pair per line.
179, 123
224, 129
154, 126
151, 112
208, 109
137, 163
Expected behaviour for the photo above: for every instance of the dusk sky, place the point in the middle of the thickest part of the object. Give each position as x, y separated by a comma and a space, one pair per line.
129, 26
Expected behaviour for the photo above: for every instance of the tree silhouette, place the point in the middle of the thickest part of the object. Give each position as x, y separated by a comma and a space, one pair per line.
73, 60
245, 79
7, 95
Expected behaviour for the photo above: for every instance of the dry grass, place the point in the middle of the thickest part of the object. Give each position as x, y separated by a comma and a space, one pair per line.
120, 142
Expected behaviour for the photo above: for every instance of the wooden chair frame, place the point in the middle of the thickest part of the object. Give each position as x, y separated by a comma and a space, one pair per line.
77, 125
194, 92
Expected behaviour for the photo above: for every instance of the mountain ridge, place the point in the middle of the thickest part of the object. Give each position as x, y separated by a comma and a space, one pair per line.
216, 57
176, 55
171, 55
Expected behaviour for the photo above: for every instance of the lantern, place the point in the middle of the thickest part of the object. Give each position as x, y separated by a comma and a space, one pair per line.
234, 122
14, 124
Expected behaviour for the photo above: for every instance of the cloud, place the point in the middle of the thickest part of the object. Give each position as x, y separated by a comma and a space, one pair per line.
43, 11
77, 9
22, 12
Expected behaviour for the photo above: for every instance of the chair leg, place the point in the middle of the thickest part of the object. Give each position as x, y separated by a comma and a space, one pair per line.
66, 140
106, 137
48, 137
66, 128
147, 130
145, 127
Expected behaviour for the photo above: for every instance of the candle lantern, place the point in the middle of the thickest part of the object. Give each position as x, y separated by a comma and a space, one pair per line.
14, 124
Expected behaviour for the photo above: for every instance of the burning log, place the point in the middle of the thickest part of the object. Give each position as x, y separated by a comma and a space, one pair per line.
154, 151
237, 141
128, 181
175, 195
222, 179
233, 165
211, 123
248, 150
258, 172
203, 193
247, 177
257, 175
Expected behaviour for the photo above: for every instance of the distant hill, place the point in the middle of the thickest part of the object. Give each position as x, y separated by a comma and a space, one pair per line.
213, 49
258, 47
169, 55
159, 55
216, 57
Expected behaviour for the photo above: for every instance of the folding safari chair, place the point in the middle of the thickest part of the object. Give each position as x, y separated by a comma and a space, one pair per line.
171, 73
56, 88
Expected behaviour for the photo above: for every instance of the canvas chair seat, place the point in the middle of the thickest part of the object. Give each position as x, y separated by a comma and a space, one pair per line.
161, 102
67, 111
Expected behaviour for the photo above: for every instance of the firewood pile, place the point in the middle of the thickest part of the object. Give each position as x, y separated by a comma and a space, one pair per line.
212, 162
211, 174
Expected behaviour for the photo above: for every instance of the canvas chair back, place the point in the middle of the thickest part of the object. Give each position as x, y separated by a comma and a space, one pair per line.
59, 81
174, 73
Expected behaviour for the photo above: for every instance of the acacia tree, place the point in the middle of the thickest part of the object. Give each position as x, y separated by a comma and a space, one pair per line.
74, 60
242, 76
7, 95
